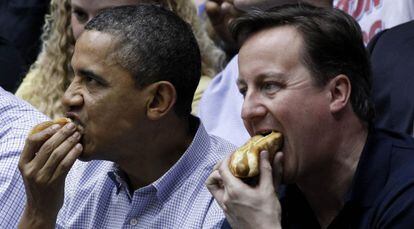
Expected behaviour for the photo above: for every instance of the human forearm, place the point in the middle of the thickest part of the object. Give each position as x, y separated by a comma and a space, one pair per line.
33, 219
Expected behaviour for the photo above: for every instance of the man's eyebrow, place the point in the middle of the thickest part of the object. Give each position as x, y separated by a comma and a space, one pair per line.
262, 76
90, 74
276, 75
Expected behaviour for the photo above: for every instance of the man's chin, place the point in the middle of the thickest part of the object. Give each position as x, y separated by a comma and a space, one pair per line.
85, 156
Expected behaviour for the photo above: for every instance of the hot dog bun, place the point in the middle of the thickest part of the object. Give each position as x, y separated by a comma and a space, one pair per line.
244, 162
44, 125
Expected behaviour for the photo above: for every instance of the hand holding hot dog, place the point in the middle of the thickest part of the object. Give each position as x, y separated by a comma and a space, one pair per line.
246, 206
50, 151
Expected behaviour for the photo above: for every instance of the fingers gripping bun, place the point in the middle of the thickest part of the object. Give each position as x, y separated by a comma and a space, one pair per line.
244, 162
44, 125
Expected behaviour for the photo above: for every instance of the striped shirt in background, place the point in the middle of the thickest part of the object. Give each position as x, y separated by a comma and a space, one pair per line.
16, 120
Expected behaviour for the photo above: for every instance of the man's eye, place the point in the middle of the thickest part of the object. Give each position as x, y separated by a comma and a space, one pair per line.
270, 87
91, 81
80, 15
243, 91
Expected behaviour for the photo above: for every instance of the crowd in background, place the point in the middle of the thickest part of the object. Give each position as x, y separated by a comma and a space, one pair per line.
22, 23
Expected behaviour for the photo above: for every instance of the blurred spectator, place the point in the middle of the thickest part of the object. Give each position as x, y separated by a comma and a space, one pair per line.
376, 15
392, 57
220, 13
11, 66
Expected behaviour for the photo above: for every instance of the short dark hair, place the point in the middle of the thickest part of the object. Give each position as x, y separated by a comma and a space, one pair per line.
332, 45
154, 45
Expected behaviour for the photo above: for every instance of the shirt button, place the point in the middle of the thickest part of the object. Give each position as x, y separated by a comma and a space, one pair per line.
133, 222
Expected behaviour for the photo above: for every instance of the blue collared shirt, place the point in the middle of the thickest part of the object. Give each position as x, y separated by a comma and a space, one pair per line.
16, 120
97, 195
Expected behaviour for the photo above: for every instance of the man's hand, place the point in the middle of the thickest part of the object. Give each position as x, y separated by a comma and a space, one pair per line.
245, 206
45, 161
221, 13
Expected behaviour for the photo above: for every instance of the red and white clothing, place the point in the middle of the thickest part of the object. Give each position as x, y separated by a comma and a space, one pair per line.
376, 15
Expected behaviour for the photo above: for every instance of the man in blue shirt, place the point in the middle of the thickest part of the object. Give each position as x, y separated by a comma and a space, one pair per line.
304, 72
146, 158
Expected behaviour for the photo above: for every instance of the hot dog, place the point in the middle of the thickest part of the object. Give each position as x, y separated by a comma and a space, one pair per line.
244, 162
44, 125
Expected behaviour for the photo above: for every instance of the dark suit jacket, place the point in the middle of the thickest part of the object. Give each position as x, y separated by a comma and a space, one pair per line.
392, 56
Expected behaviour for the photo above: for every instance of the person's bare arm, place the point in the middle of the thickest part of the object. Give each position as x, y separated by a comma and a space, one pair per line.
220, 14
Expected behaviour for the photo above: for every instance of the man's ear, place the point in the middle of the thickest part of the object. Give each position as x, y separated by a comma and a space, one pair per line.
162, 98
340, 92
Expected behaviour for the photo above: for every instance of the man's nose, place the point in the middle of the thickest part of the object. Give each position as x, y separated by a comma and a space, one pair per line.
252, 108
72, 97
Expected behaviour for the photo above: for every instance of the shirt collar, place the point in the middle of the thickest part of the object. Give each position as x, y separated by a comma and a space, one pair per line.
119, 178
185, 166
370, 176
372, 170
175, 176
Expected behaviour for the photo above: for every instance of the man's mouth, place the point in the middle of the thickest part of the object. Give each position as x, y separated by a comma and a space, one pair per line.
75, 118
80, 128
265, 132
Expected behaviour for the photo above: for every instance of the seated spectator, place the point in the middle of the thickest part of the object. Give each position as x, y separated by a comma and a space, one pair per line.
220, 106
392, 65
304, 72
146, 157
48, 78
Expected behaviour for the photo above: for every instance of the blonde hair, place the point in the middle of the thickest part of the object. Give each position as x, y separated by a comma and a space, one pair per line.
50, 75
